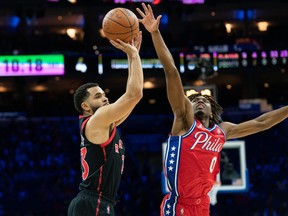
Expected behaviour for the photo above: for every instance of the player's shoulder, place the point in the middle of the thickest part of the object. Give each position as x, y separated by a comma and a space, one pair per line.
227, 126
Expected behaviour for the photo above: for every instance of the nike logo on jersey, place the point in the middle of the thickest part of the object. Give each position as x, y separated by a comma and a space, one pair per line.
82, 140
108, 209
208, 143
118, 146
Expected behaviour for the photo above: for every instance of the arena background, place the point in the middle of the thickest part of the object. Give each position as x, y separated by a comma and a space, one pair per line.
245, 68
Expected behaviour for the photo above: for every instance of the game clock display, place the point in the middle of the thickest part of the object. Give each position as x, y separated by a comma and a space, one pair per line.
32, 65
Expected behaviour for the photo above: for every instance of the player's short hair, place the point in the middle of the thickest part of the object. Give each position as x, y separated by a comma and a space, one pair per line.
217, 110
81, 94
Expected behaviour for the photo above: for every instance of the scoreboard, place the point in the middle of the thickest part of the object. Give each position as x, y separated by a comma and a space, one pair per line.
192, 61
107, 63
32, 65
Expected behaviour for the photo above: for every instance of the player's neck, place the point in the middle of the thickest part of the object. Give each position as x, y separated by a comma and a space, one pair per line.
204, 122
203, 119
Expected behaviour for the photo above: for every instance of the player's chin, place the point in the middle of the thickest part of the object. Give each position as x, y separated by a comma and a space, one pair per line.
199, 112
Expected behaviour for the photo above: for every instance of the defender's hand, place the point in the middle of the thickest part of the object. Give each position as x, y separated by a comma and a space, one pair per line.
148, 18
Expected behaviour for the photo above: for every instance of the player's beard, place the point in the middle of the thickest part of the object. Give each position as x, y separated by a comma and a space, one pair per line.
94, 108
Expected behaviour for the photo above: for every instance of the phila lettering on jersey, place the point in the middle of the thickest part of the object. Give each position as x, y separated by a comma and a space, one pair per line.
208, 142
192, 161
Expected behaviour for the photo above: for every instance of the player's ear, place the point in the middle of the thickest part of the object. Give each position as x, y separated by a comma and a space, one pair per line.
85, 106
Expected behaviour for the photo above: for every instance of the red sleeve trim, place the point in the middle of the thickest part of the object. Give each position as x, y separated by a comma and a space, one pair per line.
84, 123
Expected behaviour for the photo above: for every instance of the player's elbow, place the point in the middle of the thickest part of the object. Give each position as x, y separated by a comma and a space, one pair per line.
264, 123
136, 95
265, 126
139, 95
170, 69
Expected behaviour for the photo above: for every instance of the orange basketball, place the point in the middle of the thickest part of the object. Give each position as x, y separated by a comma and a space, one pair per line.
120, 23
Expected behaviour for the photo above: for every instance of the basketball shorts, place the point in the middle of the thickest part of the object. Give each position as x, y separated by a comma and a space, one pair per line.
90, 203
177, 206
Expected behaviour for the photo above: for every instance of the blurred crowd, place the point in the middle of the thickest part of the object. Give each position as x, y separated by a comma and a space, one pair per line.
40, 168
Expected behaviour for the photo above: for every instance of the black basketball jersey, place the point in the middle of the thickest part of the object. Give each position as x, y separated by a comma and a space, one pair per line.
102, 165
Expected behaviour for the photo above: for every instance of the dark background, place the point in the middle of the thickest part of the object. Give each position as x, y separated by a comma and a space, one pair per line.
39, 157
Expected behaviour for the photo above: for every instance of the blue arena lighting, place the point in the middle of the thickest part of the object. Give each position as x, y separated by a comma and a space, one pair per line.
165, 19
250, 14
240, 14
14, 21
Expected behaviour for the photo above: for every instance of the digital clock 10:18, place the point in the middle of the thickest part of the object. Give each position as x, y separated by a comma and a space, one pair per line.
31, 65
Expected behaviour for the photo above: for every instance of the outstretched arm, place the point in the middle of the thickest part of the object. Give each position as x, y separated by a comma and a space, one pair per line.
256, 125
99, 127
131, 68
180, 104
118, 111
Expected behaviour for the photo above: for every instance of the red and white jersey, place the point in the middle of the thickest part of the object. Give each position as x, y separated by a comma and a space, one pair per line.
192, 161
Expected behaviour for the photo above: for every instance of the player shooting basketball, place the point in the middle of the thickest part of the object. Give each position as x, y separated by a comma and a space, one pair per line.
102, 150
197, 137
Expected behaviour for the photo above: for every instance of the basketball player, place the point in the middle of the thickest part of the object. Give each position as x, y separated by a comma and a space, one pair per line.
197, 137
102, 150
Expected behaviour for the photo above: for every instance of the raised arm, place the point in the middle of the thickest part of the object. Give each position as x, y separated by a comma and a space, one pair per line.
99, 125
176, 96
131, 68
118, 111
174, 85
261, 123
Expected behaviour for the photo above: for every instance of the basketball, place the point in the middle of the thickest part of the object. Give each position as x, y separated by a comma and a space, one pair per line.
120, 23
